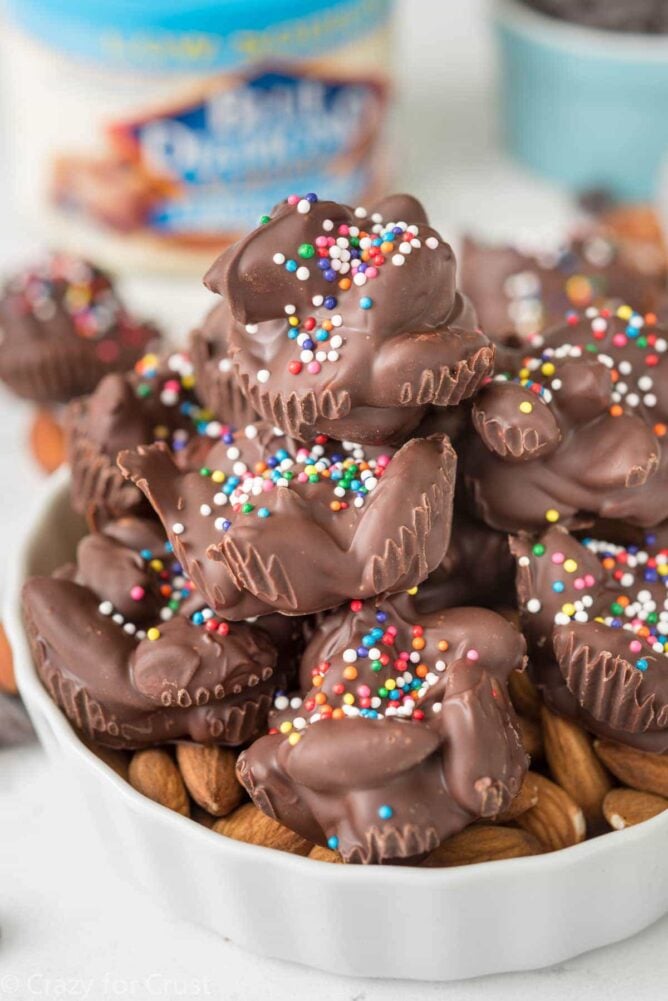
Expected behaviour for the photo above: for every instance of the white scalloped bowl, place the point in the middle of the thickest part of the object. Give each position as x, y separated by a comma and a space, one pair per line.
422, 924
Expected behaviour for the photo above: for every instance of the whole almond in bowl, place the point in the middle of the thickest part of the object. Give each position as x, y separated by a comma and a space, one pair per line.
574, 765
556, 820
628, 807
637, 769
210, 778
153, 773
251, 825
483, 843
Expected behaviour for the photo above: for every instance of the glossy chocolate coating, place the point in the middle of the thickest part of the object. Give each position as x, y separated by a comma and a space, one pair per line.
132, 665
520, 293
555, 443
217, 386
63, 327
596, 618
386, 779
361, 363
314, 526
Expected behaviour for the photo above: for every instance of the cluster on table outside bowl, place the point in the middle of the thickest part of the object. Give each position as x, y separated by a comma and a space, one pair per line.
424, 924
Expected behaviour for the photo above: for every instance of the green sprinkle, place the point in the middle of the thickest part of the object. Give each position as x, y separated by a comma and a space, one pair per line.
247, 508
538, 549
306, 250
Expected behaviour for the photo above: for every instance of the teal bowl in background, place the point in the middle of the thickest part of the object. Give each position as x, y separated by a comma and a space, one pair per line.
583, 106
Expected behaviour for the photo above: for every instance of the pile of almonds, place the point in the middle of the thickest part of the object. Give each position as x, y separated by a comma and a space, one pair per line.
577, 788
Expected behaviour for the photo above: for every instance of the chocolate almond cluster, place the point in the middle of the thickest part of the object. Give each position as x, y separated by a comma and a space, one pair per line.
304, 534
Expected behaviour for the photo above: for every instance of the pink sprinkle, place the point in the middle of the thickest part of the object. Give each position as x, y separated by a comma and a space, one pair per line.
343, 229
635, 646
267, 486
364, 691
589, 580
137, 592
558, 558
313, 367
172, 384
619, 340
383, 460
302, 478
321, 241
293, 199
371, 272
473, 655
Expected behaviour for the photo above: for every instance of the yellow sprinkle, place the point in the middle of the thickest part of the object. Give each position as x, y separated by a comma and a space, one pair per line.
293, 321
294, 738
153, 633
662, 568
188, 381
570, 566
348, 698
161, 431
390, 684
218, 476
157, 565
568, 609
526, 407
551, 515
412, 590
524, 373
548, 368
624, 312
285, 726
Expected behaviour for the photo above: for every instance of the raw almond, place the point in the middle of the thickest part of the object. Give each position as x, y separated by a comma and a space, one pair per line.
324, 854
574, 765
251, 825
210, 777
627, 807
532, 737
7, 680
153, 773
47, 441
556, 820
524, 694
525, 799
200, 816
637, 769
483, 843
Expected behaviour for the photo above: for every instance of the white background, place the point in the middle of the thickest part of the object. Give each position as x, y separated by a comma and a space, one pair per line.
67, 928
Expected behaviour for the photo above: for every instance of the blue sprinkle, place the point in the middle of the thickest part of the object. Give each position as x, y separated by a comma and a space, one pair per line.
146, 554
381, 616
385, 812
290, 265
333, 842
642, 664
558, 586
329, 275
311, 197
329, 302
263, 512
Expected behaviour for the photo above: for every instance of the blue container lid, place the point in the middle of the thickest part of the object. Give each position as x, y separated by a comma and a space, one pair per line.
163, 35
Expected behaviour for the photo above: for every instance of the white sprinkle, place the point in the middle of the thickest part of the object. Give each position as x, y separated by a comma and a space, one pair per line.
303, 274
290, 309
649, 400
220, 498
105, 607
336, 341
398, 259
178, 528
263, 375
303, 206
360, 212
332, 356
205, 509
281, 702
251, 328
219, 524
318, 300
523, 561
431, 242
349, 656
279, 258
130, 628
533, 605
118, 619
327, 225
360, 278
224, 365
405, 248
233, 452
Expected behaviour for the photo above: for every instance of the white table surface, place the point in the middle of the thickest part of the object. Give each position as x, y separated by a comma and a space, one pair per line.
67, 928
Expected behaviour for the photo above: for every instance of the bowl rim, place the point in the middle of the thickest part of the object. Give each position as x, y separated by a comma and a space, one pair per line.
601, 848
579, 38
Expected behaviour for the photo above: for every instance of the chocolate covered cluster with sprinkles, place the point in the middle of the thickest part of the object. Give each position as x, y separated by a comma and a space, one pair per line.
267, 524
574, 431
132, 654
346, 321
402, 735
596, 617
63, 327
